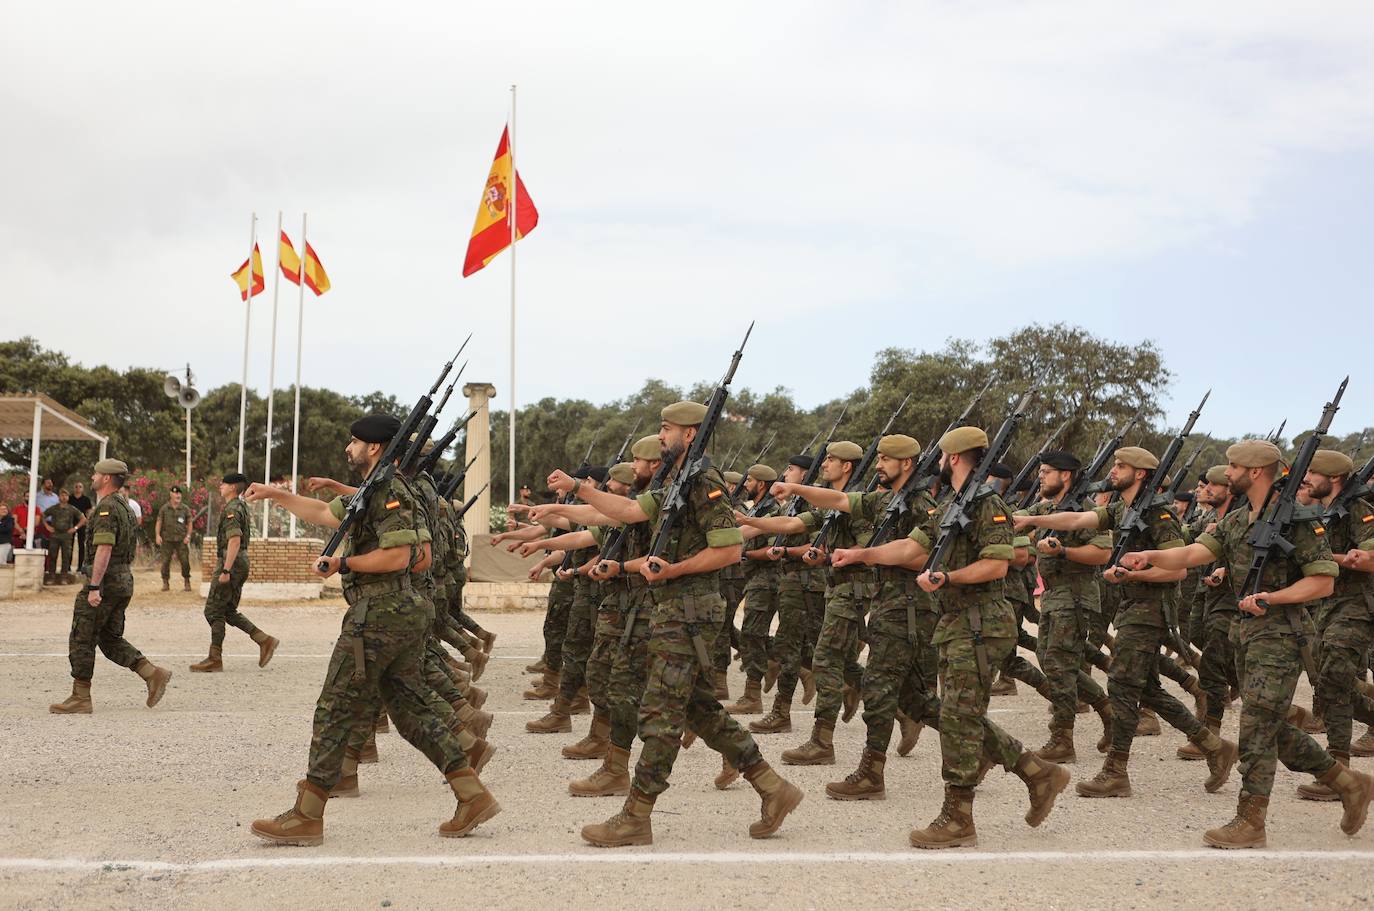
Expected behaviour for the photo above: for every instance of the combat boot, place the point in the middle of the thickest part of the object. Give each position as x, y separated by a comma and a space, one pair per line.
488, 640
475, 804
479, 753
546, 688
267, 646
347, 785
1044, 781
212, 663
1246, 830
1004, 686
302, 825
770, 675
630, 826
1104, 712
1365, 745
722, 686
1312, 722
476, 696
1193, 688
539, 668
611, 780
910, 733
597, 741
185, 583
1059, 748
727, 775
1222, 756
1190, 751
368, 754
819, 749
851, 702
779, 797
78, 703
953, 827
155, 678
557, 721
473, 720
864, 783
807, 678
1148, 724
1112, 781
777, 721
479, 664
581, 704
1315, 790
166, 586
750, 703
382, 726
1355, 790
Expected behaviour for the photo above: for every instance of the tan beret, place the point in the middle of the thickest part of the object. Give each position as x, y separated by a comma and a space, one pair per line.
1136, 457
762, 472
647, 448
899, 446
1217, 475
623, 472
845, 451
962, 439
111, 466
1253, 453
732, 477
1331, 463
425, 449
684, 414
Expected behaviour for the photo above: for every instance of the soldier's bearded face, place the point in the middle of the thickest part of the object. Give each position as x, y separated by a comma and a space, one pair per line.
1215, 494
644, 469
1239, 478
1053, 481
1122, 476
1318, 486
946, 470
355, 453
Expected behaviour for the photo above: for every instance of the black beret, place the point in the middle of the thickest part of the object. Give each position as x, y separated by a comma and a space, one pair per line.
1060, 460
1184, 496
375, 428
175, 488
235, 477
597, 473
801, 461
1001, 470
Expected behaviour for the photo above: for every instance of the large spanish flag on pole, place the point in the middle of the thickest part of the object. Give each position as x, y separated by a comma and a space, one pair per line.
240, 275
491, 233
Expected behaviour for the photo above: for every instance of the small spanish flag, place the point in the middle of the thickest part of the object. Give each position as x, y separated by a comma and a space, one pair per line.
290, 262
315, 277
240, 275
491, 232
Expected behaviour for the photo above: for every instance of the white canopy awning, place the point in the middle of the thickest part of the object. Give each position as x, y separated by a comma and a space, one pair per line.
35, 416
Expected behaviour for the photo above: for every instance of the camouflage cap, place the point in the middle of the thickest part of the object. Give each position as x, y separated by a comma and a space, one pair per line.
1216, 475
1332, 463
762, 472
684, 414
111, 466
732, 477
845, 450
647, 448
1253, 453
623, 472
962, 439
1136, 457
899, 446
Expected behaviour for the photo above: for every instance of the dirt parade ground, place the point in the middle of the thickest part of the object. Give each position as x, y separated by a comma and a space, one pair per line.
139, 808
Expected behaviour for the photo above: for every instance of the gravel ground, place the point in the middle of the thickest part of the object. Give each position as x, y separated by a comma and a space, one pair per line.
132, 807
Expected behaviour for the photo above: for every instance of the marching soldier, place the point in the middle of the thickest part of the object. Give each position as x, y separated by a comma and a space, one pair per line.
171, 534
760, 592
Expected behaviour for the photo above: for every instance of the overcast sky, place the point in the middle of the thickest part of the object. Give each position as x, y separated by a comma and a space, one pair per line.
853, 176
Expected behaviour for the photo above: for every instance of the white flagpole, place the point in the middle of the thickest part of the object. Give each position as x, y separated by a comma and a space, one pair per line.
247, 316
514, 205
300, 334
271, 383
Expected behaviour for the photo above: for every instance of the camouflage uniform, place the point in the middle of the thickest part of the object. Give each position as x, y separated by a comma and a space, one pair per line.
1020, 592
577, 641
629, 662
732, 580
175, 522
851, 588
1349, 631
611, 597
63, 518
801, 610
1216, 610
762, 591
222, 605
112, 523
556, 623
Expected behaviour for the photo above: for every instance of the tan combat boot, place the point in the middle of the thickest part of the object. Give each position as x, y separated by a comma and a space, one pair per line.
476, 696
851, 702
1059, 748
382, 725
819, 749
185, 584
475, 804
779, 796
770, 675
1355, 790
78, 703
1194, 688
953, 827
777, 721
630, 826
910, 733
1222, 756
166, 586
267, 646
722, 686
211, 664
1313, 723
581, 703
864, 783
488, 640
597, 741
1148, 724
1315, 790
751, 703
368, 754
302, 825
1112, 781
1246, 830
557, 721
479, 723
611, 780
546, 688
807, 678
1003, 686
155, 678
538, 668
347, 785
1044, 781
1104, 712
727, 775
1190, 751
479, 664
1364, 746
479, 753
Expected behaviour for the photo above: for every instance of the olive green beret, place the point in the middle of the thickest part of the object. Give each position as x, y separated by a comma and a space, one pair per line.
899, 446
732, 477
111, 466
647, 448
762, 472
623, 472
684, 414
845, 451
1217, 475
1331, 463
1136, 457
1253, 453
962, 439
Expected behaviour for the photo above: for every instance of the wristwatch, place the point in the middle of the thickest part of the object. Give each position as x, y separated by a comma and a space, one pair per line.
343, 566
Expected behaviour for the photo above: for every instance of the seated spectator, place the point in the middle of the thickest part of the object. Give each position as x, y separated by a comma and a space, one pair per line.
6, 534
21, 524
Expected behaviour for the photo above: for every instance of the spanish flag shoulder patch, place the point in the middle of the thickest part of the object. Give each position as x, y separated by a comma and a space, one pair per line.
1319, 529
1368, 518
1166, 515
394, 504
932, 510
105, 513
715, 494
999, 519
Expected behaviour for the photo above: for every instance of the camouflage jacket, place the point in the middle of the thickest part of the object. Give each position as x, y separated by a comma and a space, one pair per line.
988, 536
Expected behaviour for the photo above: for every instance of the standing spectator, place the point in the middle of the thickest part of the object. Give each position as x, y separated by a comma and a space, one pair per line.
62, 522
47, 497
6, 534
83, 505
171, 533
137, 510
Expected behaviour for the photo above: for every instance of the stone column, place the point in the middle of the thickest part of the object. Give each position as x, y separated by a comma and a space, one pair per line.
478, 520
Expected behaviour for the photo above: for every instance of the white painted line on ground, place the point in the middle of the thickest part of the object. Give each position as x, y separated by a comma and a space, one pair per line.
651, 858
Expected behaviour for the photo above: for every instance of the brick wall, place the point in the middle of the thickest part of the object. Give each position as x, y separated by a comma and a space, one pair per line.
272, 560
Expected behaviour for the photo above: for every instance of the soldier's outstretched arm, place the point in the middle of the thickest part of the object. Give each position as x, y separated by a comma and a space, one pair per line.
1174, 558
1059, 521
773, 525
821, 497
903, 552
309, 509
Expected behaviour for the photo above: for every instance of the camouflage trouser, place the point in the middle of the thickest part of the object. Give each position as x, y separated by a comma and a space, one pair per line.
437, 674
222, 605
965, 731
392, 677
900, 674
1133, 681
1061, 648
577, 643
1217, 673
1269, 669
610, 627
1170, 668
835, 659
629, 672
679, 694
101, 627
760, 604
556, 623
182, 552
1014, 666
1345, 643
61, 547
800, 613
732, 590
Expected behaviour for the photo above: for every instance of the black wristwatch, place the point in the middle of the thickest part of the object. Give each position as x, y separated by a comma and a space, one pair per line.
343, 566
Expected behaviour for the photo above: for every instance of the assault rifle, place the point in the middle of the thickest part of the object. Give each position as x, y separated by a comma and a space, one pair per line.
809, 479
451, 486
739, 488
471, 500
1181, 475
1083, 480
615, 460
1033, 465
422, 433
428, 463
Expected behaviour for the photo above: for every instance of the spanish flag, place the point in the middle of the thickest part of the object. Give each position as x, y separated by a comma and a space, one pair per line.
240, 275
315, 277
290, 262
491, 232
